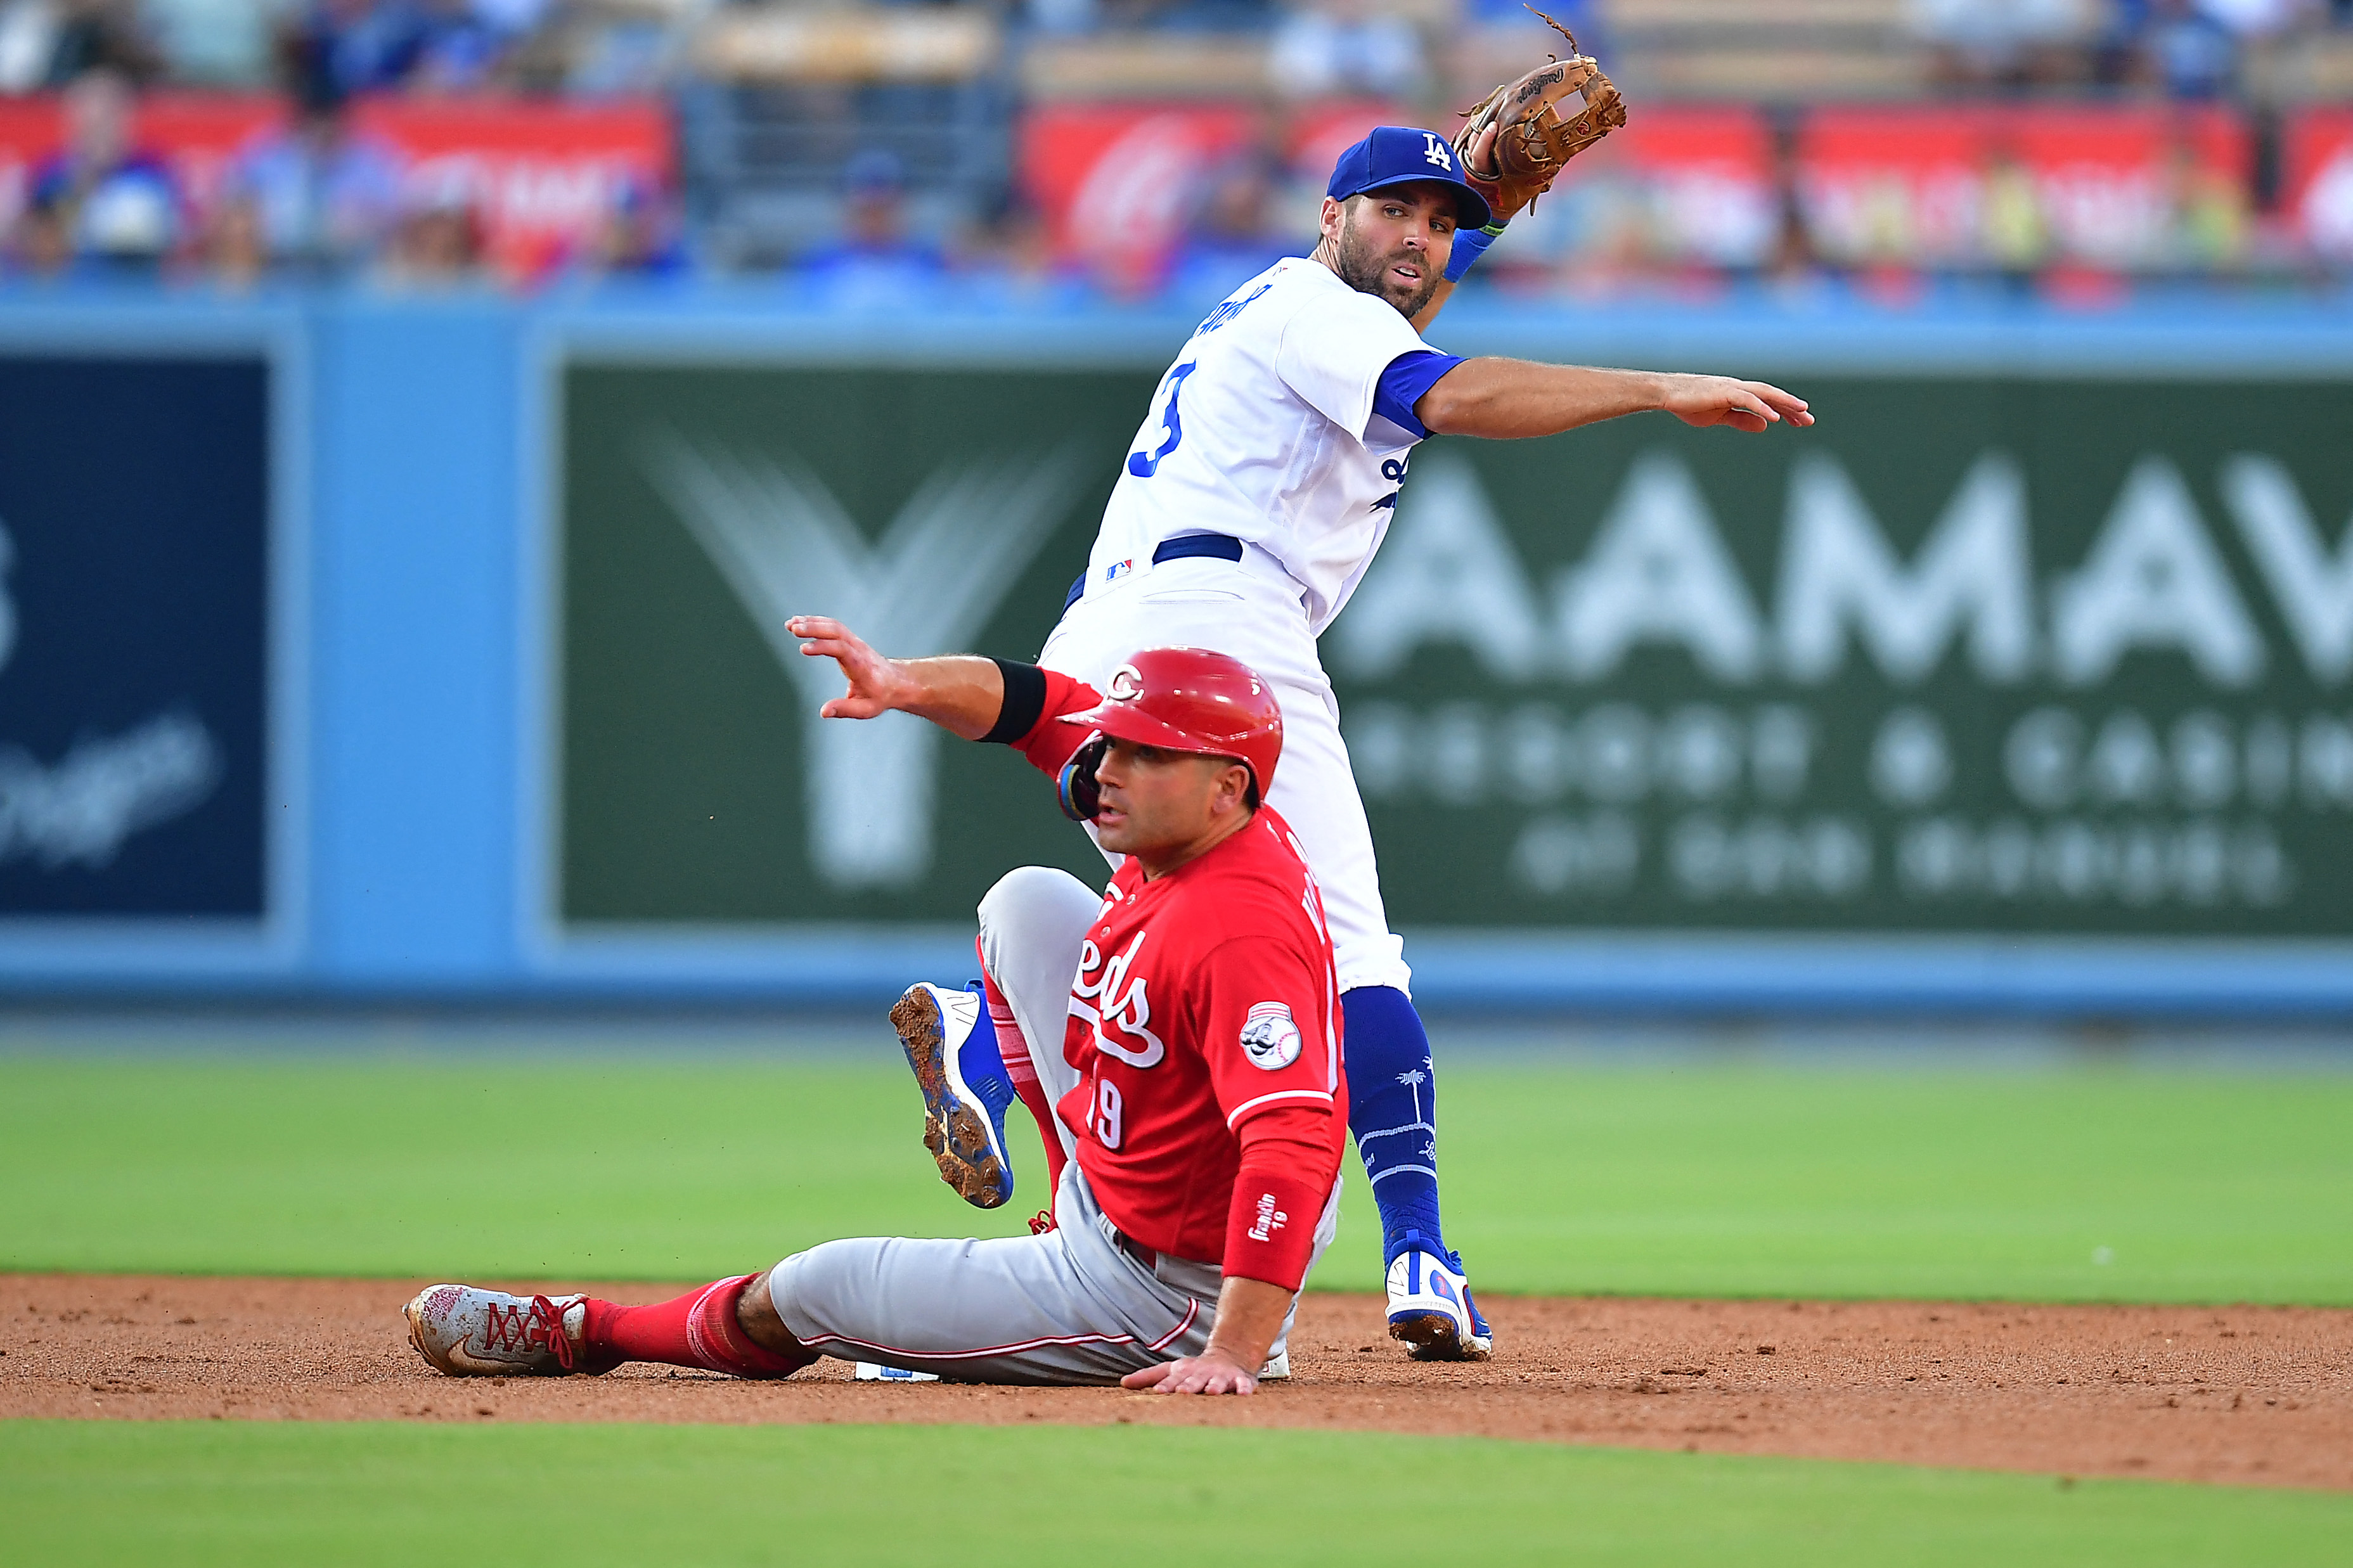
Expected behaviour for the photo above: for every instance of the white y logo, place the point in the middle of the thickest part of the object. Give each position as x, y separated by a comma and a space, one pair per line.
787, 548
1434, 151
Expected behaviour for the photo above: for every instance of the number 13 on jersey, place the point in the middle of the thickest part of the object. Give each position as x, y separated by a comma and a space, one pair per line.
1144, 465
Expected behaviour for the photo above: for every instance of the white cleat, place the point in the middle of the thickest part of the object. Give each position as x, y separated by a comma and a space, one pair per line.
466, 1331
1430, 1307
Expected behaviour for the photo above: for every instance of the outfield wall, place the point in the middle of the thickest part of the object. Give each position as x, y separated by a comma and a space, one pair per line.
428, 649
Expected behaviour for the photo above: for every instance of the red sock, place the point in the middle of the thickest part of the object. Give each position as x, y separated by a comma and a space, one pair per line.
699, 1329
1015, 1051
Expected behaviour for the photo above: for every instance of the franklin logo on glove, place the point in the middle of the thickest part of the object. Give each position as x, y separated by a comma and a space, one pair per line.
1269, 1039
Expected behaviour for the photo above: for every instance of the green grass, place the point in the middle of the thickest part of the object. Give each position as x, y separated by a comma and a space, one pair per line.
202, 1492
1700, 1178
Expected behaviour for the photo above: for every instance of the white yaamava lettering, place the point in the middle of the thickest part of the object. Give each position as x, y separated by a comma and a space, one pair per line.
1975, 572
1117, 1002
2153, 580
787, 547
2312, 582
1659, 573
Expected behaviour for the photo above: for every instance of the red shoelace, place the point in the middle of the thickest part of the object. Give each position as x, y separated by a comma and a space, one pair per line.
528, 1325
1041, 1222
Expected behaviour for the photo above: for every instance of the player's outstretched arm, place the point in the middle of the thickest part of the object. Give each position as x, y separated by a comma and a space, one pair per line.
961, 692
1504, 399
1250, 1314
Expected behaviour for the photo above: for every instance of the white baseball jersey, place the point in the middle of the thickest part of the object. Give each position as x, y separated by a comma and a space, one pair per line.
1264, 429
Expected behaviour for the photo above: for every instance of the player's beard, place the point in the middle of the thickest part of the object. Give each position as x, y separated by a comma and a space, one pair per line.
1361, 269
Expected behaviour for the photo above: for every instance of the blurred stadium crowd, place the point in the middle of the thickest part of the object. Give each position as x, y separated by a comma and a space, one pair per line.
873, 154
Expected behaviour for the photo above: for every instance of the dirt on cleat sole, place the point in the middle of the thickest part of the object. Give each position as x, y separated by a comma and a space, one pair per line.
953, 1131
417, 1343
1433, 1336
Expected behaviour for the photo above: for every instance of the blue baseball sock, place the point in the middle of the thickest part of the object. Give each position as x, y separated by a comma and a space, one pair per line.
1392, 1112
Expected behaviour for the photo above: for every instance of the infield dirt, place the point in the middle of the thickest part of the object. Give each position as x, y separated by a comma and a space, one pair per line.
2247, 1395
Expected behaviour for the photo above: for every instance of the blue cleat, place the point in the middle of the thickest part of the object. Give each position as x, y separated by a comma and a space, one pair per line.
1430, 1307
952, 1045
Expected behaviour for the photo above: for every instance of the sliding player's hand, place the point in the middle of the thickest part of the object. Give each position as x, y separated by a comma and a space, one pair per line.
874, 681
1209, 1372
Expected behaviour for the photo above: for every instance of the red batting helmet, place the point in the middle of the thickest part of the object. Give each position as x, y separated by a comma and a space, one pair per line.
1180, 699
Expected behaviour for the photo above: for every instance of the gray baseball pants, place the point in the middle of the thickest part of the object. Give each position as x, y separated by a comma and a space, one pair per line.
1068, 1307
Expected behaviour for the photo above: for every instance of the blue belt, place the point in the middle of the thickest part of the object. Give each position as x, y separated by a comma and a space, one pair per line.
1222, 546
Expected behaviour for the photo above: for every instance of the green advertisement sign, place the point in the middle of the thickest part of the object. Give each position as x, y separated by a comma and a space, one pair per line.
2025, 655
932, 512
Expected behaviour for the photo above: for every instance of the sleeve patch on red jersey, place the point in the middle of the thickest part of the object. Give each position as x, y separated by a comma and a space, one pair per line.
1269, 1038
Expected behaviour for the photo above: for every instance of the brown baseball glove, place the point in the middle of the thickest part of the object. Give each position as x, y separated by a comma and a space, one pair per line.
1516, 143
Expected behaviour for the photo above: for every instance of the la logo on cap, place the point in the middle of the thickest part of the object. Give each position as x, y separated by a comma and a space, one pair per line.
1435, 152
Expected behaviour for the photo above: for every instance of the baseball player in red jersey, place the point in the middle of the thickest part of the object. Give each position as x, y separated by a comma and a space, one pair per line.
1200, 1078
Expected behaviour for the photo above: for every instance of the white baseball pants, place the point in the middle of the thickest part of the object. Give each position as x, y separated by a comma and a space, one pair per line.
1251, 610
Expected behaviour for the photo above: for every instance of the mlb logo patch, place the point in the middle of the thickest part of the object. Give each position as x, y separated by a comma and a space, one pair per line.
1118, 569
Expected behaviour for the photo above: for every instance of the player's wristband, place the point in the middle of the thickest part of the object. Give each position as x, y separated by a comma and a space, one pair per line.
1025, 701
1470, 245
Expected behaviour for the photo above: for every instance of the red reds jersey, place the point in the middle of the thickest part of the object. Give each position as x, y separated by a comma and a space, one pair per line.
1205, 1023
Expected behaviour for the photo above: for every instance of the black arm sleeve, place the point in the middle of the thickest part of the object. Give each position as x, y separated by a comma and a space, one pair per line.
1025, 700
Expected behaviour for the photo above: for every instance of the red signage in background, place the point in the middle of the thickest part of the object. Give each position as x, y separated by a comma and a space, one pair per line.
2132, 188
28, 134
1319, 132
1892, 185
2124, 188
200, 135
1116, 182
1678, 184
539, 176
2317, 196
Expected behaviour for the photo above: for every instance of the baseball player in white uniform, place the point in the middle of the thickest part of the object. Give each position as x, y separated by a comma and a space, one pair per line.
1248, 507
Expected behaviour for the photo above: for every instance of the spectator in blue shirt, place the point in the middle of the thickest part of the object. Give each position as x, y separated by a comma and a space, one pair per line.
642, 238
322, 193
876, 261
108, 203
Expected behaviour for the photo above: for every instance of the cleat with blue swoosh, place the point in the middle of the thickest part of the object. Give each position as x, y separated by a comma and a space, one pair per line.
952, 1047
1430, 1307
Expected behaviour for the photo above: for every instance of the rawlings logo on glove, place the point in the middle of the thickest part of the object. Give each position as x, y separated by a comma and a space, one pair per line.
1516, 142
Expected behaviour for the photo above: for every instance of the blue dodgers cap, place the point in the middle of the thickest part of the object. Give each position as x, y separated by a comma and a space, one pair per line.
1400, 155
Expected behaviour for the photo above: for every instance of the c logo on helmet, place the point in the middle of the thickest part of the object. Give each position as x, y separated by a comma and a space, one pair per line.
1127, 685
